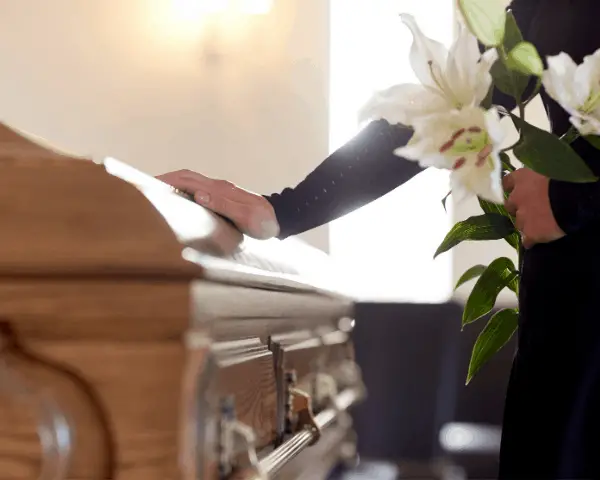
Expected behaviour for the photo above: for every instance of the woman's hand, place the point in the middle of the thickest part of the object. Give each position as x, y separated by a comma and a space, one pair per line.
530, 204
250, 212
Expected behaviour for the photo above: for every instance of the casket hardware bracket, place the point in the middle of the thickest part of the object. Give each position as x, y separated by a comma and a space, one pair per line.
233, 437
325, 390
300, 415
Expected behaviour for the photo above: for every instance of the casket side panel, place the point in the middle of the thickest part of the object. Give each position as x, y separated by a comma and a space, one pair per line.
111, 355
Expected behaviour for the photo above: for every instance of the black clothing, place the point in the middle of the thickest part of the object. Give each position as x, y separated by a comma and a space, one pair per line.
551, 424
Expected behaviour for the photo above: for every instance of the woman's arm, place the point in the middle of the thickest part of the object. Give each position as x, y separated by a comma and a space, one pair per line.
359, 172
362, 170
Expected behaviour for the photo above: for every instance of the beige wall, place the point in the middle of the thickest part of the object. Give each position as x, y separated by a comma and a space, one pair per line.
243, 98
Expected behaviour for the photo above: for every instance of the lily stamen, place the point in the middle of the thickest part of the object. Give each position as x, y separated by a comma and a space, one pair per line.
591, 103
458, 134
483, 155
459, 163
442, 85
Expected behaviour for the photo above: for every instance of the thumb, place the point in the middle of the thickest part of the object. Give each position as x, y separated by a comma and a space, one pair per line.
528, 242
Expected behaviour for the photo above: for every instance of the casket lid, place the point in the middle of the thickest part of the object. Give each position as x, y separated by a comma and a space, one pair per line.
63, 215
223, 253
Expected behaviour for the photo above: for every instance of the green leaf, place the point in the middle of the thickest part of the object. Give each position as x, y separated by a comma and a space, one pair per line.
513, 284
512, 33
505, 159
482, 227
489, 98
546, 154
499, 274
444, 200
570, 135
486, 19
525, 58
513, 240
594, 140
510, 82
473, 272
490, 207
492, 338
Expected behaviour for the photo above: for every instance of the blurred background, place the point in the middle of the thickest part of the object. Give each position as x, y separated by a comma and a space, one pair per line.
259, 92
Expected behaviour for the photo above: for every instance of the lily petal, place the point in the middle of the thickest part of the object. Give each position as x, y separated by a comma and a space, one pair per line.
494, 126
403, 104
426, 55
421, 152
485, 182
558, 78
466, 142
424, 149
482, 76
586, 125
576, 88
462, 67
460, 191
586, 79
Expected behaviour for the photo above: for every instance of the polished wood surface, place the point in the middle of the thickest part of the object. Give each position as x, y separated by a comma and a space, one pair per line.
142, 337
245, 371
69, 217
96, 308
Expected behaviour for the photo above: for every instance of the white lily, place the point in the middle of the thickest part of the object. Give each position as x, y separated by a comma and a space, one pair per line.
468, 143
449, 79
576, 88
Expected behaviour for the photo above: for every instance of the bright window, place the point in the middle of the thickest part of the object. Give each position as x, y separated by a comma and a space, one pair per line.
387, 247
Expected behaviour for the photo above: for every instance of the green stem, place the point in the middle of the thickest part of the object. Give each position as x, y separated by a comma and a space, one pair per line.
509, 166
521, 107
520, 104
571, 135
504, 150
536, 90
520, 256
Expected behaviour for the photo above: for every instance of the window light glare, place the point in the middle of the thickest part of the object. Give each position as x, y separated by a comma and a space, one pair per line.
192, 9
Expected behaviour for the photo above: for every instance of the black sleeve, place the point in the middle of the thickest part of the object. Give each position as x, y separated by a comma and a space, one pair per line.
359, 172
577, 205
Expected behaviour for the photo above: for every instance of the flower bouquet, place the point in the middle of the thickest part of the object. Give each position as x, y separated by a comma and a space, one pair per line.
456, 126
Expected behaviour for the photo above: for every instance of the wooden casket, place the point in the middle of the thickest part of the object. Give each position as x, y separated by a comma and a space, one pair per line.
143, 338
